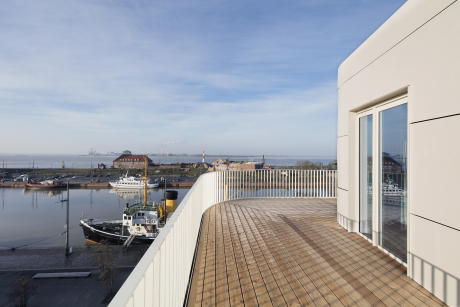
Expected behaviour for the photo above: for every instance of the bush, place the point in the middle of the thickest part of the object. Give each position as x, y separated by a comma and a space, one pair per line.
23, 291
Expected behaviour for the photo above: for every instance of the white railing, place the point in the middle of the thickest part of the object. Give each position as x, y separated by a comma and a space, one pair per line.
161, 278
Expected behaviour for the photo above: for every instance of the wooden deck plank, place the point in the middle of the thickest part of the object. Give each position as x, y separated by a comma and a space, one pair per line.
292, 252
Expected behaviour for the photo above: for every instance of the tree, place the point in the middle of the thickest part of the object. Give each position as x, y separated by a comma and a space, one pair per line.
105, 258
23, 291
305, 164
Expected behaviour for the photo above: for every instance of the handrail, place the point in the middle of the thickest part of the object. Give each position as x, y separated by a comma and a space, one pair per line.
161, 277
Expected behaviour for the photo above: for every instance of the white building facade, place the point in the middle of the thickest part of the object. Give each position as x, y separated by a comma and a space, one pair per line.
398, 143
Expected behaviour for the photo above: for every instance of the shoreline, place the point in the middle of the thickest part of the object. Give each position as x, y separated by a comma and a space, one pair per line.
91, 185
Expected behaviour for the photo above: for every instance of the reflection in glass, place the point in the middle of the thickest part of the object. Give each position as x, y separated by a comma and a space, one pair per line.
393, 170
365, 177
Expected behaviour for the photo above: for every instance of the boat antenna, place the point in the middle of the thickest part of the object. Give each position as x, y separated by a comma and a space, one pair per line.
146, 159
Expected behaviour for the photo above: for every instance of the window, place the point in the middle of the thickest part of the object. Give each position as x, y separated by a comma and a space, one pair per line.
365, 169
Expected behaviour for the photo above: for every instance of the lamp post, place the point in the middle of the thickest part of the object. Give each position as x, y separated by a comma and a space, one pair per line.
67, 250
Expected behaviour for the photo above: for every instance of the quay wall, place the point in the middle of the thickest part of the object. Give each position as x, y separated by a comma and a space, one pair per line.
95, 185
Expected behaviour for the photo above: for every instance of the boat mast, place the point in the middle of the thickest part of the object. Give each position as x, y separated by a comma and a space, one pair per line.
146, 159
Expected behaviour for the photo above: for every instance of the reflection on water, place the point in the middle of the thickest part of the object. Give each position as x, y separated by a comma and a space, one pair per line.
47, 192
28, 216
128, 194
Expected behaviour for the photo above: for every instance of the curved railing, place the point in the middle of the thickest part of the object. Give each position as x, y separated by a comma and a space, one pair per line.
161, 277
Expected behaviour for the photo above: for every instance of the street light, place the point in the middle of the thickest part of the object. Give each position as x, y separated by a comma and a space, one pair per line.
67, 250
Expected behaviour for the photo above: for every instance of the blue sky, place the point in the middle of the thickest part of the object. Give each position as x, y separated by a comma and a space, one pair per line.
227, 77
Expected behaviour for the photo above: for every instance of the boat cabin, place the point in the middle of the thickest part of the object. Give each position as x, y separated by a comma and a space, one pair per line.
140, 218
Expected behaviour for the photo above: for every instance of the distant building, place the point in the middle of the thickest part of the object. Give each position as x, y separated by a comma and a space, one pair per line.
235, 166
391, 166
126, 161
207, 165
332, 166
101, 166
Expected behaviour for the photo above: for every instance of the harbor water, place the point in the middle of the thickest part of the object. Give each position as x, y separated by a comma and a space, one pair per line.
37, 218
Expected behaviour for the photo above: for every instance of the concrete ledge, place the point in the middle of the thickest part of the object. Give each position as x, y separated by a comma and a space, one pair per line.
62, 275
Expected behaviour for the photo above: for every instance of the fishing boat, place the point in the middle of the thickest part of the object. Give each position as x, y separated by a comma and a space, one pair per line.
131, 182
46, 184
140, 223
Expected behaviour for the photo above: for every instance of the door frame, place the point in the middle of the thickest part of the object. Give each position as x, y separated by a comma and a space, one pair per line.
375, 109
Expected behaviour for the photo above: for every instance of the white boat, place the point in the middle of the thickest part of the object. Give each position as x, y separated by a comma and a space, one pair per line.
389, 188
132, 182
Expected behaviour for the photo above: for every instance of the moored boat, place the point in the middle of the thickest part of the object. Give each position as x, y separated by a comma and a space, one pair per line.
131, 182
140, 223
46, 184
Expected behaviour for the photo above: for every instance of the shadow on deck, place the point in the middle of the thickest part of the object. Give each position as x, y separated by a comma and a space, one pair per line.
292, 252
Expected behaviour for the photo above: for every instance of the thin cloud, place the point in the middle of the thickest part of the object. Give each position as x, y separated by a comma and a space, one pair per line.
224, 76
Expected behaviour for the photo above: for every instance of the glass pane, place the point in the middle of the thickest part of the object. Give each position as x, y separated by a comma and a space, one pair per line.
393, 170
365, 177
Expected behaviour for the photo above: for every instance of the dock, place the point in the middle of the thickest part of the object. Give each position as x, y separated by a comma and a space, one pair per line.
97, 185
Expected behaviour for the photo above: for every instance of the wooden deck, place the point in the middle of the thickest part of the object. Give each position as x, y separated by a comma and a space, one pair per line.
292, 252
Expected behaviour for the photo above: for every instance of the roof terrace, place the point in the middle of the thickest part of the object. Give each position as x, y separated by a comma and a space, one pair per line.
292, 252
268, 238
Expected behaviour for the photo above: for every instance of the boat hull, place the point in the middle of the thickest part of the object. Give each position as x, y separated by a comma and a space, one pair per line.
43, 186
135, 187
99, 235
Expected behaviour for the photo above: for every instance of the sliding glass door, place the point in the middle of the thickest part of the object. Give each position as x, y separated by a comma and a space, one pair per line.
365, 169
383, 136
393, 180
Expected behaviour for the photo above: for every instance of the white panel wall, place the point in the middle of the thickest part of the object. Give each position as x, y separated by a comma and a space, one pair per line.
417, 49
427, 61
436, 259
406, 20
435, 170
342, 162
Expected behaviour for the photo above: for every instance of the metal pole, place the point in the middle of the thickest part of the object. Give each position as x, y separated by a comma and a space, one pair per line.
164, 204
67, 251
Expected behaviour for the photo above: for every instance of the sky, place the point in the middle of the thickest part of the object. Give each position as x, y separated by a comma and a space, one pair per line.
228, 77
